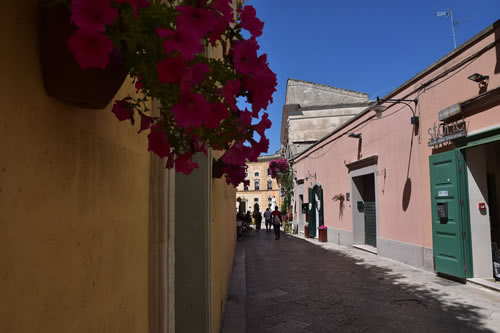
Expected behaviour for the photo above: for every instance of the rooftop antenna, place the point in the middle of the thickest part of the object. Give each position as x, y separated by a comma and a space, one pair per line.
446, 14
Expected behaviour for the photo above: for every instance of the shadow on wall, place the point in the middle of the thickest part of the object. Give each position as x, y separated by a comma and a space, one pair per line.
406, 194
324, 291
405, 201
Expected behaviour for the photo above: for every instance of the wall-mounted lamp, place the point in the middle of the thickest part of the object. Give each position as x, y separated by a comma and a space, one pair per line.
354, 135
478, 78
379, 108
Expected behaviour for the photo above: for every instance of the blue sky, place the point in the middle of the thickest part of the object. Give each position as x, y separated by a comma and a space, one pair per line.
367, 46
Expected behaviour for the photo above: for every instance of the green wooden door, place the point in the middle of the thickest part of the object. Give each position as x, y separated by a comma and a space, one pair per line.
447, 182
370, 223
312, 213
319, 191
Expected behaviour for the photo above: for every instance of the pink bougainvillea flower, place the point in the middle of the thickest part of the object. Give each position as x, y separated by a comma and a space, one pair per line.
217, 112
235, 174
225, 8
191, 110
198, 20
135, 4
93, 15
162, 32
235, 155
260, 147
195, 74
264, 124
198, 146
171, 69
185, 164
224, 18
123, 110
251, 153
157, 142
139, 83
245, 118
90, 49
146, 122
245, 56
229, 91
217, 31
184, 41
261, 84
250, 22
170, 161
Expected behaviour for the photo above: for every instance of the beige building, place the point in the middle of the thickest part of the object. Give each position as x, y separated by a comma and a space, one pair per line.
312, 111
263, 189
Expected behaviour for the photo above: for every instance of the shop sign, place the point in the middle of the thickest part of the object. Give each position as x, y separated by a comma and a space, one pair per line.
445, 132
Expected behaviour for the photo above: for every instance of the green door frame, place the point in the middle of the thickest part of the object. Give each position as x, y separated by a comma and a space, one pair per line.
313, 222
311, 211
464, 188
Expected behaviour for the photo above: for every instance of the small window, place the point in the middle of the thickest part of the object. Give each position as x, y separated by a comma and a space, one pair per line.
256, 174
268, 171
269, 184
257, 184
256, 200
245, 188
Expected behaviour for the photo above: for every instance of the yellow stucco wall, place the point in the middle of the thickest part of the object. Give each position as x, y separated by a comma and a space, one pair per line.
223, 231
74, 193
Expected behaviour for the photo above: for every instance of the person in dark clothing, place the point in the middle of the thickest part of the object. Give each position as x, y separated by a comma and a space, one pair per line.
239, 224
276, 219
257, 216
248, 218
267, 218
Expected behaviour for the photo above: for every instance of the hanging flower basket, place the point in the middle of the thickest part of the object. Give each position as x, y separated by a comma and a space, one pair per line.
62, 76
279, 168
162, 43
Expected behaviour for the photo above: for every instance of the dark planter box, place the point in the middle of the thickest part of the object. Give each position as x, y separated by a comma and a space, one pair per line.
323, 235
306, 231
62, 77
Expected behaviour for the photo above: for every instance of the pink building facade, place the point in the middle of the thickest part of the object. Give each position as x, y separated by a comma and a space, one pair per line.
418, 182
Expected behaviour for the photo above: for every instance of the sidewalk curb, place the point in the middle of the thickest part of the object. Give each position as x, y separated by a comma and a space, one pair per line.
234, 320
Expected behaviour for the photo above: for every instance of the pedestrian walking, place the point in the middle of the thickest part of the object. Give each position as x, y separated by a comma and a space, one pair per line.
248, 218
239, 224
257, 216
267, 219
276, 218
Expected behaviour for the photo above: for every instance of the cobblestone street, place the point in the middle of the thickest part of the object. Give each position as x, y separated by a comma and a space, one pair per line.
297, 285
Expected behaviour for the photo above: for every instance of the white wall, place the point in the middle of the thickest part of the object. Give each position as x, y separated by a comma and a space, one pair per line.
479, 220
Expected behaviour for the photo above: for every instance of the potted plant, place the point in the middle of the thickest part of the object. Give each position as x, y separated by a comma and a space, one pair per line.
323, 233
306, 230
62, 76
162, 44
339, 197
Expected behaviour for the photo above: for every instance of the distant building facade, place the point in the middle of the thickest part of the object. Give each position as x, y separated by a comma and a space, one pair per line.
312, 111
263, 189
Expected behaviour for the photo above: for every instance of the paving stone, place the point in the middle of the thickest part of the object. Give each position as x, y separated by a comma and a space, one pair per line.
297, 285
